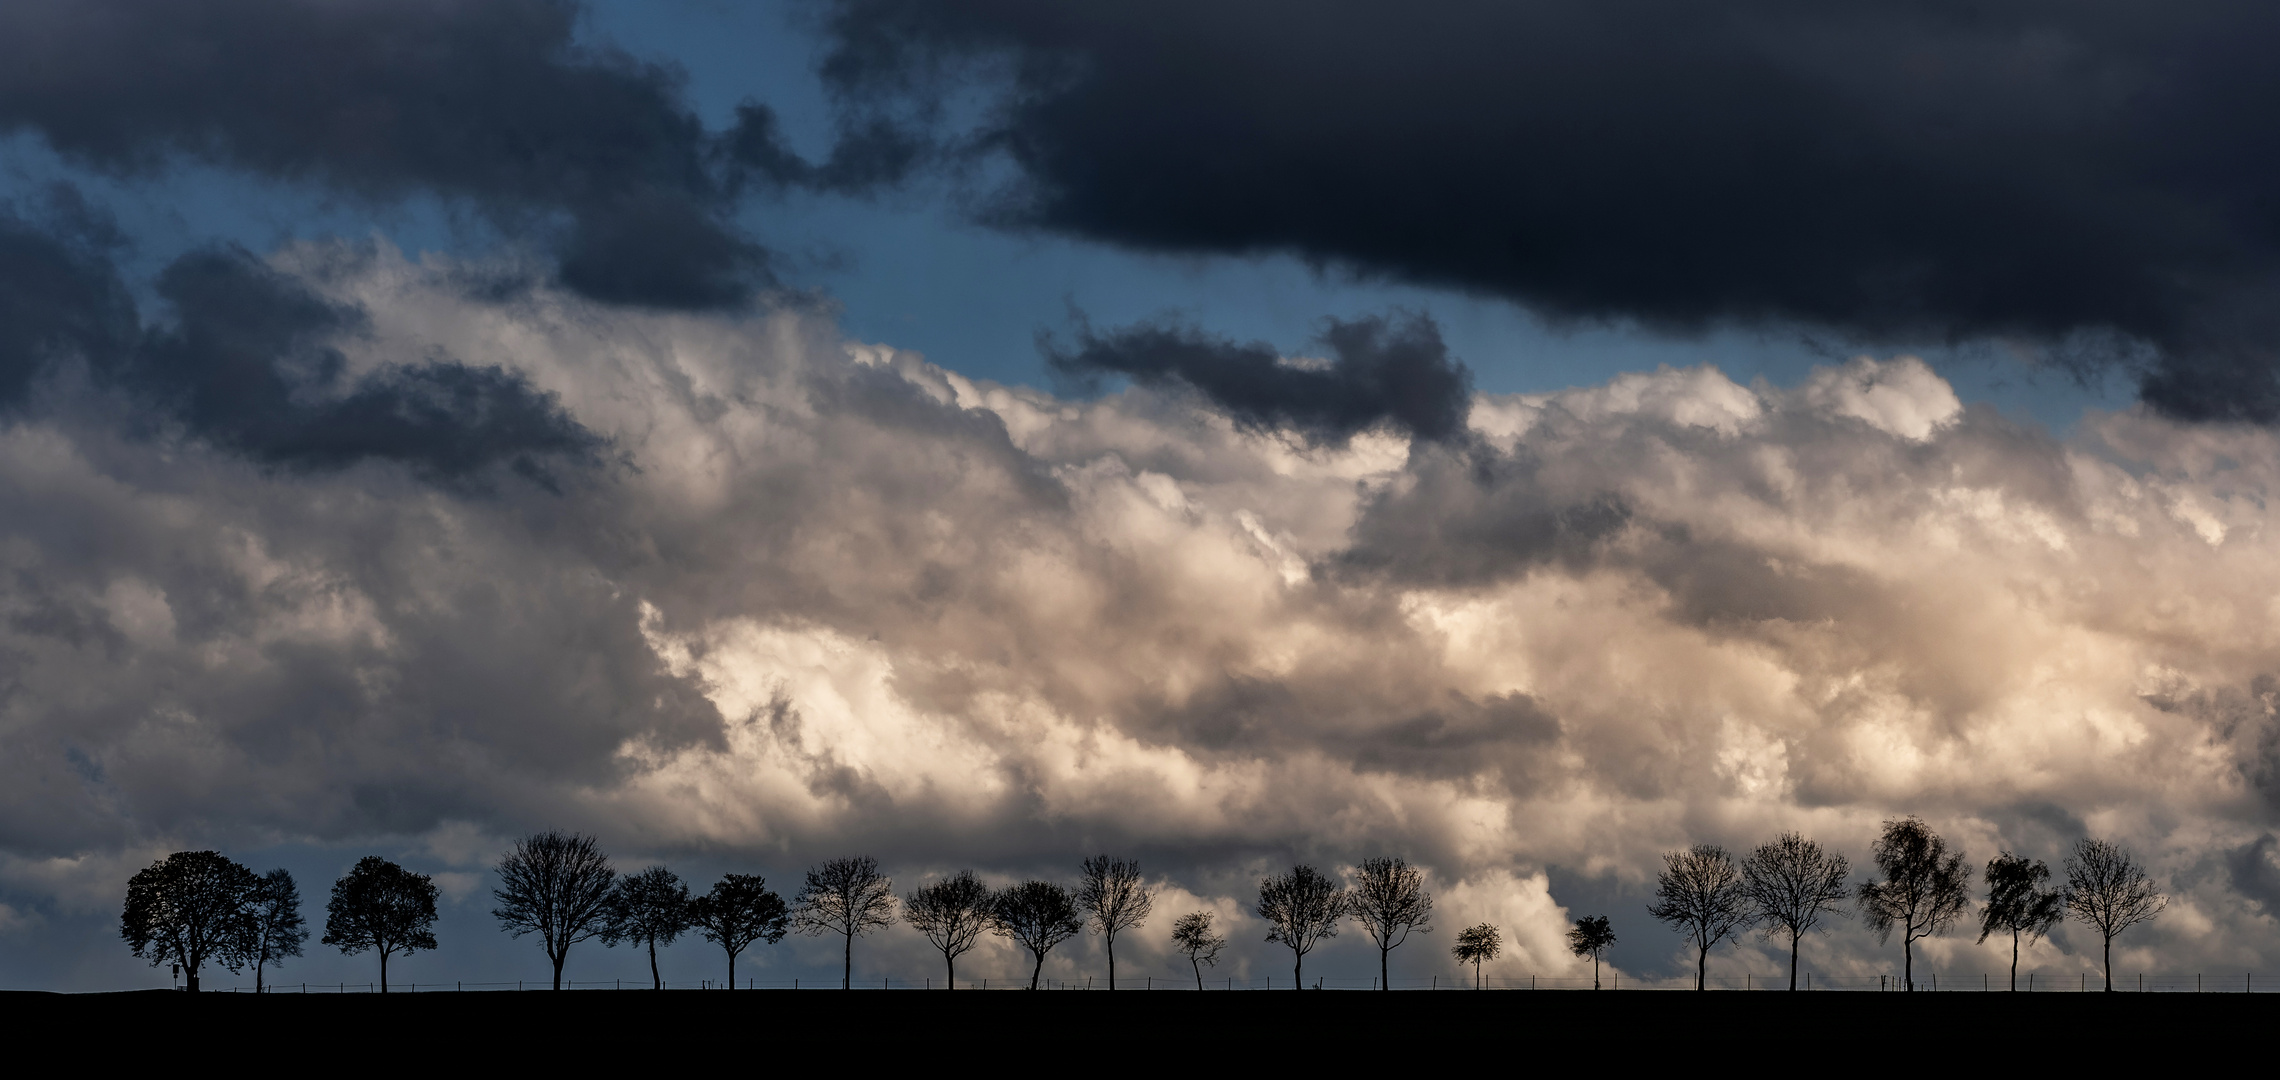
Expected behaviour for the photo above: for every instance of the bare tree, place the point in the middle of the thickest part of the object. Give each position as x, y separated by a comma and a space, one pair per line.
952, 914
1390, 901
275, 926
1193, 936
1924, 891
1115, 896
190, 908
848, 897
651, 908
1301, 908
1477, 945
1699, 894
2018, 905
381, 906
1590, 937
557, 885
740, 910
1038, 915
1792, 885
2108, 891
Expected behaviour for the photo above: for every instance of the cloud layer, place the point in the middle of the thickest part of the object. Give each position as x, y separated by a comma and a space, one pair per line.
817, 597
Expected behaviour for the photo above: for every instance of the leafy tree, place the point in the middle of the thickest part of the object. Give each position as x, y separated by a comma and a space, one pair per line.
1590, 937
1924, 891
2018, 905
740, 910
1476, 945
558, 886
1038, 915
651, 908
1115, 896
952, 914
1792, 885
848, 897
2108, 891
277, 930
1699, 895
1192, 935
190, 908
1301, 908
381, 906
1390, 901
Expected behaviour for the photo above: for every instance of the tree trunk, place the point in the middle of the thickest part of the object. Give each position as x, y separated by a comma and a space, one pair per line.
1793, 960
1383, 984
732, 971
1908, 961
558, 961
1198, 966
257, 976
847, 972
1038, 971
1595, 969
950, 968
1297, 970
2014, 961
193, 983
1112, 961
1701, 966
383, 970
2109, 961
656, 981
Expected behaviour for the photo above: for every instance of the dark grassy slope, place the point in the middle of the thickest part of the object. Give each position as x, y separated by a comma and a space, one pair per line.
607, 1029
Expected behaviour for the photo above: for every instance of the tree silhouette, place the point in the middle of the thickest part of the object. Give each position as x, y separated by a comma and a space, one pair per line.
1699, 895
1792, 885
558, 886
848, 897
190, 908
1192, 935
1301, 908
1038, 915
381, 906
1477, 945
1590, 937
1924, 891
2107, 890
952, 914
1115, 896
2018, 905
651, 908
276, 928
740, 910
1390, 901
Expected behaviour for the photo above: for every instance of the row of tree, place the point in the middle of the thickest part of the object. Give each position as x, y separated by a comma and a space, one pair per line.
1791, 887
198, 907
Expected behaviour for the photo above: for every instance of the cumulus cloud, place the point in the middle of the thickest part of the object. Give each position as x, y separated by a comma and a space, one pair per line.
838, 598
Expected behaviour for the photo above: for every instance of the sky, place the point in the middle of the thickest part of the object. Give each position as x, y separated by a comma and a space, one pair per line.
1524, 439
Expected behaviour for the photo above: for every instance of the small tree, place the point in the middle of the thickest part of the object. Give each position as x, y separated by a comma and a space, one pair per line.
1192, 935
1390, 901
1590, 937
1699, 894
1924, 891
1038, 915
2018, 905
1301, 908
740, 910
1116, 897
190, 908
381, 906
952, 914
2108, 891
1477, 945
1792, 885
651, 908
559, 886
276, 927
848, 897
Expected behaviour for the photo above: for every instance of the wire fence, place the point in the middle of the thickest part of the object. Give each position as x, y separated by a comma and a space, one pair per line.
1942, 982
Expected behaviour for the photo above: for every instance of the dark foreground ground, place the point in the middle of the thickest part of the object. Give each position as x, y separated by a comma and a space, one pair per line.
1129, 1032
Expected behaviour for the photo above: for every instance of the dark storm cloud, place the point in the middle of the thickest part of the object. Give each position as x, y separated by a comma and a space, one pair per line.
59, 298
491, 104
2092, 176
1381, 371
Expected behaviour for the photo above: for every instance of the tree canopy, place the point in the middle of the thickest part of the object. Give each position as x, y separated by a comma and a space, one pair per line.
2109, 892
381, 906
1390, 901
1301, 909
849, 897
558, 886
1037, 915
1699, 894
1792, 885
651, 908
190, 908
1923, 892
740, 909
1116, 898
952, 915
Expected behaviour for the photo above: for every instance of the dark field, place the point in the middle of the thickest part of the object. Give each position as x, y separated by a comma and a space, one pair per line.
1150, 1032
